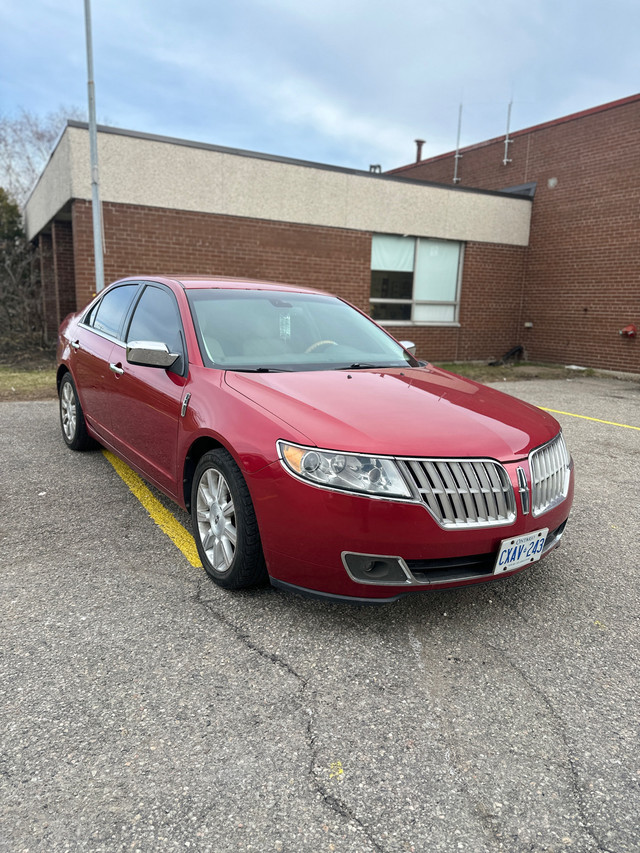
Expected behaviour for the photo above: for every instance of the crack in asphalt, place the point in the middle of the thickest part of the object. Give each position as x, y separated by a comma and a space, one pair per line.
537, 690
489, 822
485, 819
335, 804
561, 729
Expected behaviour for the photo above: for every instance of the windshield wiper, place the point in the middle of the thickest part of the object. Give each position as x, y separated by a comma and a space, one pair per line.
362, 365
260, 369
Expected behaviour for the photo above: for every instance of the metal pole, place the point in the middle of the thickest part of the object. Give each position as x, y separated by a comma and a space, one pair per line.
507, 141
93, 142
457, 155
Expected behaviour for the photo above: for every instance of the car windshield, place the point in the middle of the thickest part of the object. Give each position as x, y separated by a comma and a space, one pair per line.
264, 330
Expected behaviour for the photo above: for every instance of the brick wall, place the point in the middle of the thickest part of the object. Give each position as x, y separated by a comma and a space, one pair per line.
49, 302
582, 268
58, 275
145, 240
65, 271
148, 240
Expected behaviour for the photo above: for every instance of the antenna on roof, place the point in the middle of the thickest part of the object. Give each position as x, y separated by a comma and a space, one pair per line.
507, 141
458, 155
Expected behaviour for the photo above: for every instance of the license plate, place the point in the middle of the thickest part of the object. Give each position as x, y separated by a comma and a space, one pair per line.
520, 551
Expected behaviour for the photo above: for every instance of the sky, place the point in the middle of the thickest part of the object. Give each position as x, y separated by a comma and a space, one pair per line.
346, 82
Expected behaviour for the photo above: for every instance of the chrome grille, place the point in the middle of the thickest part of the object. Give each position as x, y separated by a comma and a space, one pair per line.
463, 492
550, 473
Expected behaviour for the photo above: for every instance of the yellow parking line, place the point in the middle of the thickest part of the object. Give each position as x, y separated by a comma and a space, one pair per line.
179, 535
584, 417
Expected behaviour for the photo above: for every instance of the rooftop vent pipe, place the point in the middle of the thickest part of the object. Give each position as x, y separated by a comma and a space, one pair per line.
419, 144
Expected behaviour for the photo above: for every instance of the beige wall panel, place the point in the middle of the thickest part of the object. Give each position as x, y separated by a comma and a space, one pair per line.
156, 173
52, 191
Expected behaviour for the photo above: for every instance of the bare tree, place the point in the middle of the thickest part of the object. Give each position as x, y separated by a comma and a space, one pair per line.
21, 308
26, 142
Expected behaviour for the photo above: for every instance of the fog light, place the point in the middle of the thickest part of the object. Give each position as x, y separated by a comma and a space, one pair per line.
376, 569
370, 568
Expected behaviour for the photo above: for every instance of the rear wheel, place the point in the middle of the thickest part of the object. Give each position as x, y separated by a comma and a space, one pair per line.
224, 523
74, 428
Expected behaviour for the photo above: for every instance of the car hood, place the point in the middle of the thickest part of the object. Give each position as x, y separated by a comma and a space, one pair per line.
399, 412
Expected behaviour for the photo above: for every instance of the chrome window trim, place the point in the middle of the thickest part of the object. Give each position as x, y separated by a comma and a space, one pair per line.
102, 334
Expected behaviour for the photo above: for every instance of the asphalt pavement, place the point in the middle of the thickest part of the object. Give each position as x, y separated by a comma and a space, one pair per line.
143, 708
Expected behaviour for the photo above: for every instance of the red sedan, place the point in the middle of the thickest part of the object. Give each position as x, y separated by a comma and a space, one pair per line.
309, 446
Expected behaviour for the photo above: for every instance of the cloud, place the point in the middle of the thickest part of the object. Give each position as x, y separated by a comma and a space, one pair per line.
346, 82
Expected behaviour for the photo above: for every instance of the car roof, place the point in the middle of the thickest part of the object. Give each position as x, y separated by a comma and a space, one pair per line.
202, 282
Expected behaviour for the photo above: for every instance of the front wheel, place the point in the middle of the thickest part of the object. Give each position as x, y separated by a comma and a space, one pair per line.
74, 428
224, 523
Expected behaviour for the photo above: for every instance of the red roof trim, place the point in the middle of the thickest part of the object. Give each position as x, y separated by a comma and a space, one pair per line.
553, 123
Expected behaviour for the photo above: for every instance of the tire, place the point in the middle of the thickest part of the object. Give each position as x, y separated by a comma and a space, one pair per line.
224, 523
72, 423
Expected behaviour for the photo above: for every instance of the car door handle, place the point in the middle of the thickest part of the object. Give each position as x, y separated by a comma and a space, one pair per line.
116, 369
75, 345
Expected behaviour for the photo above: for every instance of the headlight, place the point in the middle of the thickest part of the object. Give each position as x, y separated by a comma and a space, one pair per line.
349, 472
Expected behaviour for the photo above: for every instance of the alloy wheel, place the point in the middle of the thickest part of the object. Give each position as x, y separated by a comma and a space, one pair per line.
216, 519
68, 411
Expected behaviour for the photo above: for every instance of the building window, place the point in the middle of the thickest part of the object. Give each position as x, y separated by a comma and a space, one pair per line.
415, 279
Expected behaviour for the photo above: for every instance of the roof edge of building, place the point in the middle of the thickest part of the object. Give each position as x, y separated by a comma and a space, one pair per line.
310, 164
516, 133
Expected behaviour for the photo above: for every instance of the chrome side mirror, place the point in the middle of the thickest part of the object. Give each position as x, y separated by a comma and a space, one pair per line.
409, 346
150, 354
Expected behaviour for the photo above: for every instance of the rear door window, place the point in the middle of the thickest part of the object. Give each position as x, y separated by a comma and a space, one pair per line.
112, 310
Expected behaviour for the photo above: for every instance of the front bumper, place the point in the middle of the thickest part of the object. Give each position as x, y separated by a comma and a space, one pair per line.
308, 532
